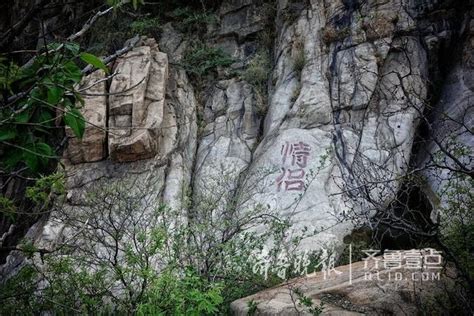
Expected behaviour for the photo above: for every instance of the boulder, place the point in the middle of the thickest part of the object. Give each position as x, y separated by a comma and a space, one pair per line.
136, 103
360, 288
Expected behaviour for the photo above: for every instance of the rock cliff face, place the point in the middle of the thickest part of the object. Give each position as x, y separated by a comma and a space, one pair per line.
324, 143
325, 148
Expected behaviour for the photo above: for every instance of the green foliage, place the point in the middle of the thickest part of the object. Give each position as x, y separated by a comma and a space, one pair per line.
28, 122
28, 248
187, 295
7, 208
74, 119
190, 19
94, 61
145, 25
139, 259
308, 304
257, 70
457, 221
45, 186
119, 3
9, 71
201, 60
253, 306
17, 292
256, 73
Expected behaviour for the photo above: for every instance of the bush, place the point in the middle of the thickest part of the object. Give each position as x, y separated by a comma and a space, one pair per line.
192, 20
187, 295
457, 222
299, 59
130, 257
201, 60
145, 25
257, 71
331, 34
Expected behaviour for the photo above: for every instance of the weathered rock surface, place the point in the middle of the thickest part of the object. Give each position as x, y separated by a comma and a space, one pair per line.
92, 146
453, 121
347, 88
225, 148
162, 126
130, 118
136, 103
358, 289
342, 93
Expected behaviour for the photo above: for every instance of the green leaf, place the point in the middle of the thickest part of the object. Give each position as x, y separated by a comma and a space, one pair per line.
79, 98
7, 134
13, 158
54, 95
23, 116
44, 153
44, 117
72, 71
53, 46
36, 154
72, 47
75, 121
44, 149
31, 160
94, 61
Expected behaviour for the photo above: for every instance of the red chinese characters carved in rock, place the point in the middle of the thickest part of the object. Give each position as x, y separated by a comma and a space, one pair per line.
295, 155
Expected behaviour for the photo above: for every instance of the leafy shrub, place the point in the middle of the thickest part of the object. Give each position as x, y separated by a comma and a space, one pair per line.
457, 221
331, 34
44, 186
256, 73
193, 20
186, 295
145, 25
257, 70
28, 119
7, 208
201, 60
140, 259
299, 58
306, 302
